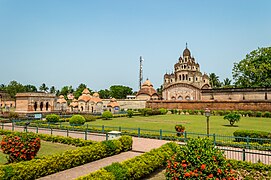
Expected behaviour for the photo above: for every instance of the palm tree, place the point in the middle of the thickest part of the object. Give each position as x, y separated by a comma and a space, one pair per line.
44, 88
226, 82
214, 80
53, 90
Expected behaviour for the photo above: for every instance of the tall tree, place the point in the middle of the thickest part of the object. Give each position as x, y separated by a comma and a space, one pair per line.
30, 88
120, 92
79, 90
254, 70
227, 83
43, 88
104, 94
52, 89
14, 87
214, 80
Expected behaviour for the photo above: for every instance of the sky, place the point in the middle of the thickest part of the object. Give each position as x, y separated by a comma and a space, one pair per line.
98, 43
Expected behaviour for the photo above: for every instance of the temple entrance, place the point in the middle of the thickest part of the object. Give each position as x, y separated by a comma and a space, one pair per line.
41, 106
35, 106
47, 106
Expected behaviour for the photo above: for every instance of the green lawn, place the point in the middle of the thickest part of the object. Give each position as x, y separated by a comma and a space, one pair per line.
47, 148
193, 123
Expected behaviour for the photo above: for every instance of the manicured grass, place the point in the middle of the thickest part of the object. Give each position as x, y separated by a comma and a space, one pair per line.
192, 123
47, 148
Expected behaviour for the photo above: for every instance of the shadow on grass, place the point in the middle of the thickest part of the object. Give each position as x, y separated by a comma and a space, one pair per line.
227, 125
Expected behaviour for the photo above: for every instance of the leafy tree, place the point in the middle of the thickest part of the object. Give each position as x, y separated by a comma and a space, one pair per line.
53, 90
43, 88
232, 118
120, 92
226, 83
214, 80
13, 88
30, 88
104, 94
159, 90
254, 70
79, 90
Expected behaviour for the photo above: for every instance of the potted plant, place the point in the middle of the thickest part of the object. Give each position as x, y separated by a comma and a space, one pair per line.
180, 129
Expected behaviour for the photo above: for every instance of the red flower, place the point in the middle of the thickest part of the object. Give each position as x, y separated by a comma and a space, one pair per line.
184, 165
211, 176
219, 171
203, 166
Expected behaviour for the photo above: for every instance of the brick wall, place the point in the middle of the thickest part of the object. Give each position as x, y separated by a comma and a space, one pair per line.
213, 105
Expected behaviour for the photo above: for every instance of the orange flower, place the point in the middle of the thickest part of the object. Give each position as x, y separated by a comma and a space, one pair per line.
203, 166
187, 174
211, 176
219, 171
184, 165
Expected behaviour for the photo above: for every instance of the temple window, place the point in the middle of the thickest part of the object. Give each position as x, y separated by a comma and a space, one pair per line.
189, 79
196, 79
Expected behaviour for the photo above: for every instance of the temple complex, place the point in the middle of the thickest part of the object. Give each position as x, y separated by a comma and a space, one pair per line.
147, 92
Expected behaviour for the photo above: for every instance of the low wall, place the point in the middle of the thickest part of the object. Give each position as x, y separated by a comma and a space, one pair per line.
213, 105
128, 103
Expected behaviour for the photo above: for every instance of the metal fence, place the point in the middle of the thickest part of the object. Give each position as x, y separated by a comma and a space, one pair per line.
239, 148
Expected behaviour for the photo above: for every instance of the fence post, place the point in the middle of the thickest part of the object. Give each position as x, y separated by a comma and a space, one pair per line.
25, 128
37, 129
138, 132
2, 125
67, 132
244, 154
106, 136
185, 136
214, 138
102, 128
60, 125
87, 127
86, 134
12, 126
247, 140
119, 129
51, 131
161, 134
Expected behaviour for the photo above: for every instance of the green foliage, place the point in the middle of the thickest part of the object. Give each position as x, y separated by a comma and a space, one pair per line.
13, 115
89, 118
258, 114
199, 159
36, 168
104, 94
130, 113
249, 166
137, 167
126, 142
107, 115
267, 114
101, 174
114, 147
43, 88
120, 92
78, 92
20, 148
77, 120
149, 112
52, 118
214, 80
252, 134
232, 118
163, 111
254, 70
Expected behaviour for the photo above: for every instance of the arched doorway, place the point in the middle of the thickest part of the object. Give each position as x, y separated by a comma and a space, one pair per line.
41, 106
180, 98
92, 109
82, 108
35, 106
47, 106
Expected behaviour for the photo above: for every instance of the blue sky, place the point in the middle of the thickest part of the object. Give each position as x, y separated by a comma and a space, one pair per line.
99, 42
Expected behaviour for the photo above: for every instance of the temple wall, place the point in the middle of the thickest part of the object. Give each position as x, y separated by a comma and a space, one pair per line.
213, 105
128, 103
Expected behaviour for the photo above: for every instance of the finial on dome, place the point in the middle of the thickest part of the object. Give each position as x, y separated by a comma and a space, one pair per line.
186, 45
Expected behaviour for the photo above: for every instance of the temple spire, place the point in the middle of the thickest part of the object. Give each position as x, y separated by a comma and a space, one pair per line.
186, 45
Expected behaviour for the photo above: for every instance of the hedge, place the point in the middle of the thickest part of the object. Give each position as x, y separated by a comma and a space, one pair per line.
249, 166
136, 167
253, 134
47, 165
58, 139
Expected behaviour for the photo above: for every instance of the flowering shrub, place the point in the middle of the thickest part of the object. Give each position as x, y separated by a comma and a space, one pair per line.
180, 129
199, 159
20, 148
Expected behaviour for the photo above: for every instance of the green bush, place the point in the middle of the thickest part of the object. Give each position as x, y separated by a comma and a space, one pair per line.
126, 142
13, 115
253, 134
199, 159
36, 168
249, 113
163, 111
267, 114
107, 115
137, 167
77, 120
258, 114
130, 113
89, 118
232, 118
101, 174
52, 118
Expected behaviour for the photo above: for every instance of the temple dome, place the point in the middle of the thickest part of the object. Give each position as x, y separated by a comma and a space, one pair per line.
186, 52
147, 88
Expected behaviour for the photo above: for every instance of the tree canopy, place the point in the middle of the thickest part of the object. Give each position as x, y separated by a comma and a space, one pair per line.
254, 70
214, 80
120, 92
